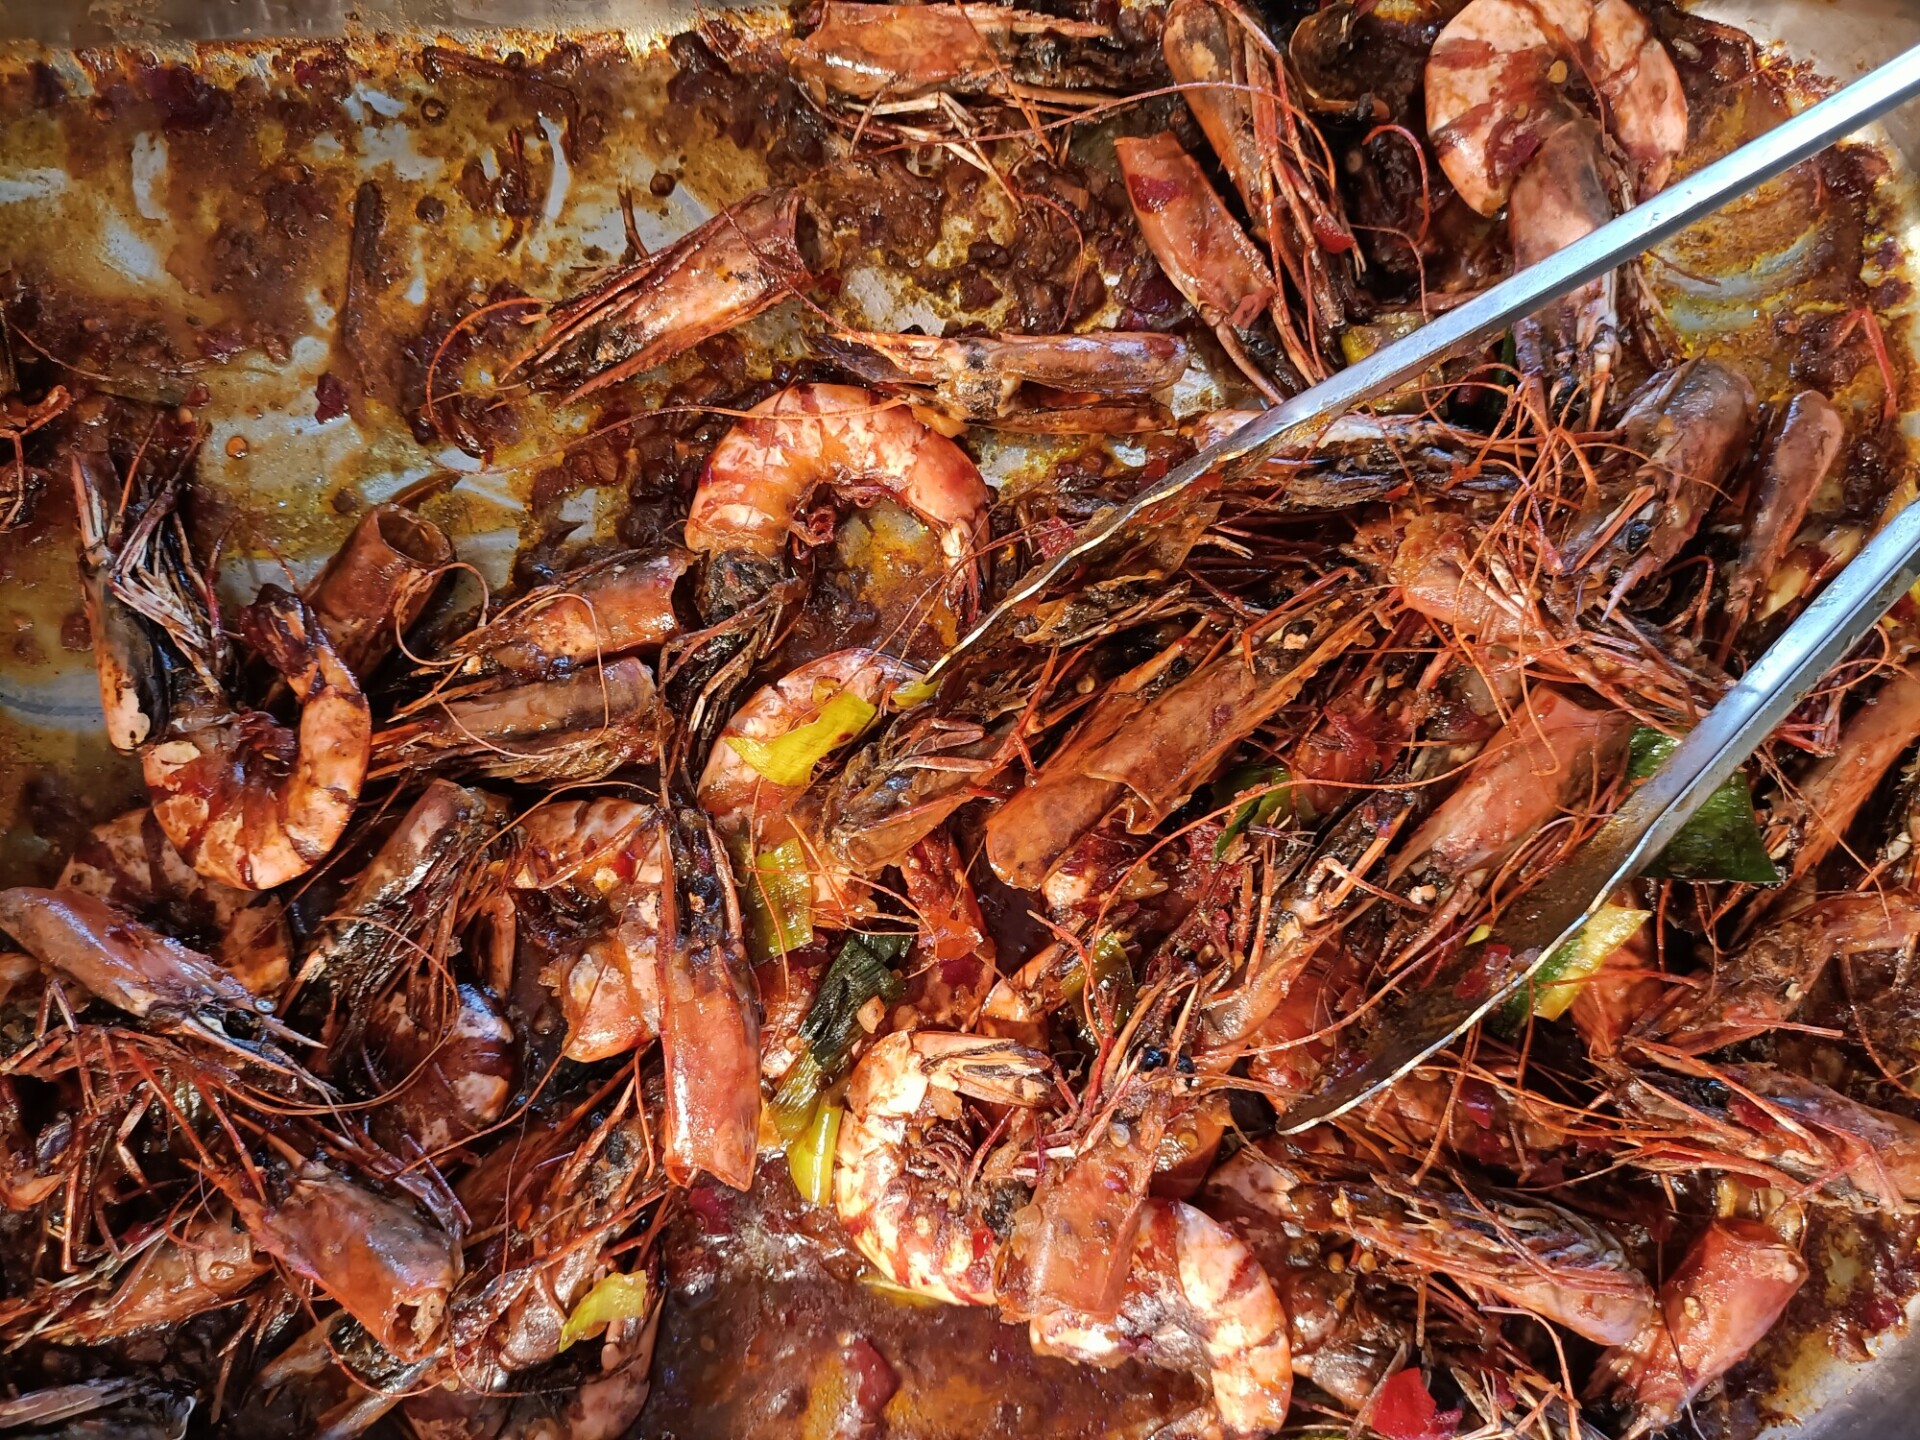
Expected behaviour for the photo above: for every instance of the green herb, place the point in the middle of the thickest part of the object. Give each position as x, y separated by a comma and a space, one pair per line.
776, 892
789, 759
858, 973
1274, 793
1722, 841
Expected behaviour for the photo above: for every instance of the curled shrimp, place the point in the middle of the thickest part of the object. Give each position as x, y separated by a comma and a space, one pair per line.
1501, 82
245, 800
980, 379
613, 851
1195, 1298
129, 863
929, 1233
741, 262
840, 438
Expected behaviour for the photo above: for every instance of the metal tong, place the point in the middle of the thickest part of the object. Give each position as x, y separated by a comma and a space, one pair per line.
1420, 1022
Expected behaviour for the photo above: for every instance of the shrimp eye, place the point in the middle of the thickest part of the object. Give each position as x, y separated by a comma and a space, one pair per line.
1152, 1058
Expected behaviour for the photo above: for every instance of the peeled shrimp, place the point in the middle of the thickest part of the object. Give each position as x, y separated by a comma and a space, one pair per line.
931, 1235
243, 799
1196, 1299
839, 438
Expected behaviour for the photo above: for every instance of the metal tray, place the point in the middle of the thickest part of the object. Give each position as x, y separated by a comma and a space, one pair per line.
1838, 39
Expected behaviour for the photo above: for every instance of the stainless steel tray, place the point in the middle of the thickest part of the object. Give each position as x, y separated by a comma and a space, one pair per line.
1837, 38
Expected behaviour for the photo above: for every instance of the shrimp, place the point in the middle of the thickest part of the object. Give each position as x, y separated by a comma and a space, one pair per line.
244, 800
1236, 84
709, 1014
873, 52
450, 1063
1778, 1128
1195, 1299
740, 263
894, 792
207, 1263
1528, 1251
1550, 756
388, 1268
1717, 1305
129, 863
32, 1167
845, 439
1155, 757
612, 850
1203, 251
122, 962
618, 604
1690, 425
1352, 461
126, 654
979, 379
1802, 455
923, 1227
375, 928
582, 726
378, 583
1509, 131
1762, 984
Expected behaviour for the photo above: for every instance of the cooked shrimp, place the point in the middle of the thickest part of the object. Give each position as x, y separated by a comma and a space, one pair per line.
1689, 426
125, 655
445, 1064
1353, 460
741, 262
1200, 246
129, 863
1195, 1299
1528, 1251
621, 603
930, 1233
1159, 752
208, 1263
1496, 88
115, 958
582, 726
979, 378
388, 1268
1508, 132
757, 813
613, 850
868, 52
243, 799
32, 1166
1761, 985
1725, 1296
378, 583
844, 439
1801, 455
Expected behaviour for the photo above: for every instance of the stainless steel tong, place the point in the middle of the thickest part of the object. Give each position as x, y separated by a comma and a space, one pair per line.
1423, 1021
